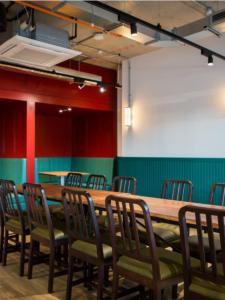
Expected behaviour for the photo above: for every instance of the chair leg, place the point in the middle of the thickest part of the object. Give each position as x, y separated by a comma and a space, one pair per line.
30, 262
1, 241
115, 284
70, 278
174, 291
51, 270
4, 259
100, 282
22, 254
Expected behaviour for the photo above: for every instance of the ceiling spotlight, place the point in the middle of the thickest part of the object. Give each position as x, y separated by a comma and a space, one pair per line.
99, 36
92, 24
69, 108
81, 86
210, 60
60, 111
102, 89
133, 29
100, 51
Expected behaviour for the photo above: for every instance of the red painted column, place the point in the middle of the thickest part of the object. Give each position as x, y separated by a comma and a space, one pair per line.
30, 141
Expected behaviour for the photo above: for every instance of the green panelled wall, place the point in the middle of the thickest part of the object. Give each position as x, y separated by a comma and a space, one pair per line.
13, 169
43, 164
151, 172
94, 165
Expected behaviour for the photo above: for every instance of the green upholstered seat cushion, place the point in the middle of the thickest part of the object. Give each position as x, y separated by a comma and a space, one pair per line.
44, 233
194, 244
207, 288
170, 264
166, 232
91, 249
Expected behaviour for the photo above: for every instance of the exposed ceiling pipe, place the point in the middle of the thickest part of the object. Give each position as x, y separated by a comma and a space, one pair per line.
127, 18
67, 18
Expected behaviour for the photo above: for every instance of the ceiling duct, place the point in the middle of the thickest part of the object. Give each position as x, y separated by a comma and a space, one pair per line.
44, 46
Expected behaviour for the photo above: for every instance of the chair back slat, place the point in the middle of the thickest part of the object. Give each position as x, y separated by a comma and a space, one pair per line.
124, 184
74, 180
38, 209
208, 222
180, 190
81, 221
217, 194
125, 234
96, 182
10, 202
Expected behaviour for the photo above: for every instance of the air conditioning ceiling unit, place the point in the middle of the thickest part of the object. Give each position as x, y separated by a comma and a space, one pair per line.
31, 52
46, 47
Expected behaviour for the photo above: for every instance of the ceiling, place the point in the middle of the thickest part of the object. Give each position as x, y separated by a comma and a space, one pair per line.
110, 51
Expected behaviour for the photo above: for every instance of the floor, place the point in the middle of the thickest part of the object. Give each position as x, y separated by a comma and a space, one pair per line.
14, 287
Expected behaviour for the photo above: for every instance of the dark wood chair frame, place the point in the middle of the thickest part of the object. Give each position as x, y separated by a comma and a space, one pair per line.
74, 179
204, 223
124, 209
12, 211
96, 182
124, 184
177, 190
214, 188
39, 216
81, 224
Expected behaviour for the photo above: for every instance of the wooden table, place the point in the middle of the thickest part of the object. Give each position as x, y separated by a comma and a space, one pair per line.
162, 209
61, 174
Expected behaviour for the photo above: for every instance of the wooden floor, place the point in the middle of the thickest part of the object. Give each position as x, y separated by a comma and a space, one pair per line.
14, 287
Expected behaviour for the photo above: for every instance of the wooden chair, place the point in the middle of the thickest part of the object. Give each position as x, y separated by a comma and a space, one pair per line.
74, 180
124, 184
207, 282
147, 265
84, 237
217, 194
96, 182
42, 229
179, 190
15, 222
2, 226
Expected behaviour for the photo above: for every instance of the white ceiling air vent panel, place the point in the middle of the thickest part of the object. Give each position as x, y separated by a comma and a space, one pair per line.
25, 51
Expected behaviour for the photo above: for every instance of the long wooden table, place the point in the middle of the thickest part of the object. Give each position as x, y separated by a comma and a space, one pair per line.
162, 209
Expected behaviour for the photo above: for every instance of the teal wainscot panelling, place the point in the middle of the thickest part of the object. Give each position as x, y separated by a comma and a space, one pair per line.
13, 169
104, 166
44, 164
151, 172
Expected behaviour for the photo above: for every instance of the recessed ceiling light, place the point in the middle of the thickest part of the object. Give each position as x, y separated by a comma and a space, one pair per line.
102, 89
69, 108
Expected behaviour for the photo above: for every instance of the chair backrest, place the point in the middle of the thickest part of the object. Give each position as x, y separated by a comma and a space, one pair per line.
124, 184
206, 220
38, 209
177, 190
96, 182
11, 207
217, 194
81, 221
74, 180
125, 232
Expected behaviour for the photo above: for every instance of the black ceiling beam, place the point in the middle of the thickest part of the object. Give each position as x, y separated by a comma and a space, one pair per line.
127, 18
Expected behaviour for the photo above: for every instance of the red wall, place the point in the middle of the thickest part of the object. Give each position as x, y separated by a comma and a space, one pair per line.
94, 135
12, 129
19, 86
53, 136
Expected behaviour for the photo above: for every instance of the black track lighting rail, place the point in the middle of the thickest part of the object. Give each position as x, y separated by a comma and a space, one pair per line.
127, 18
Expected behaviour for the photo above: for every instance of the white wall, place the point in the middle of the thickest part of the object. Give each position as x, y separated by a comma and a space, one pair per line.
178, 104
